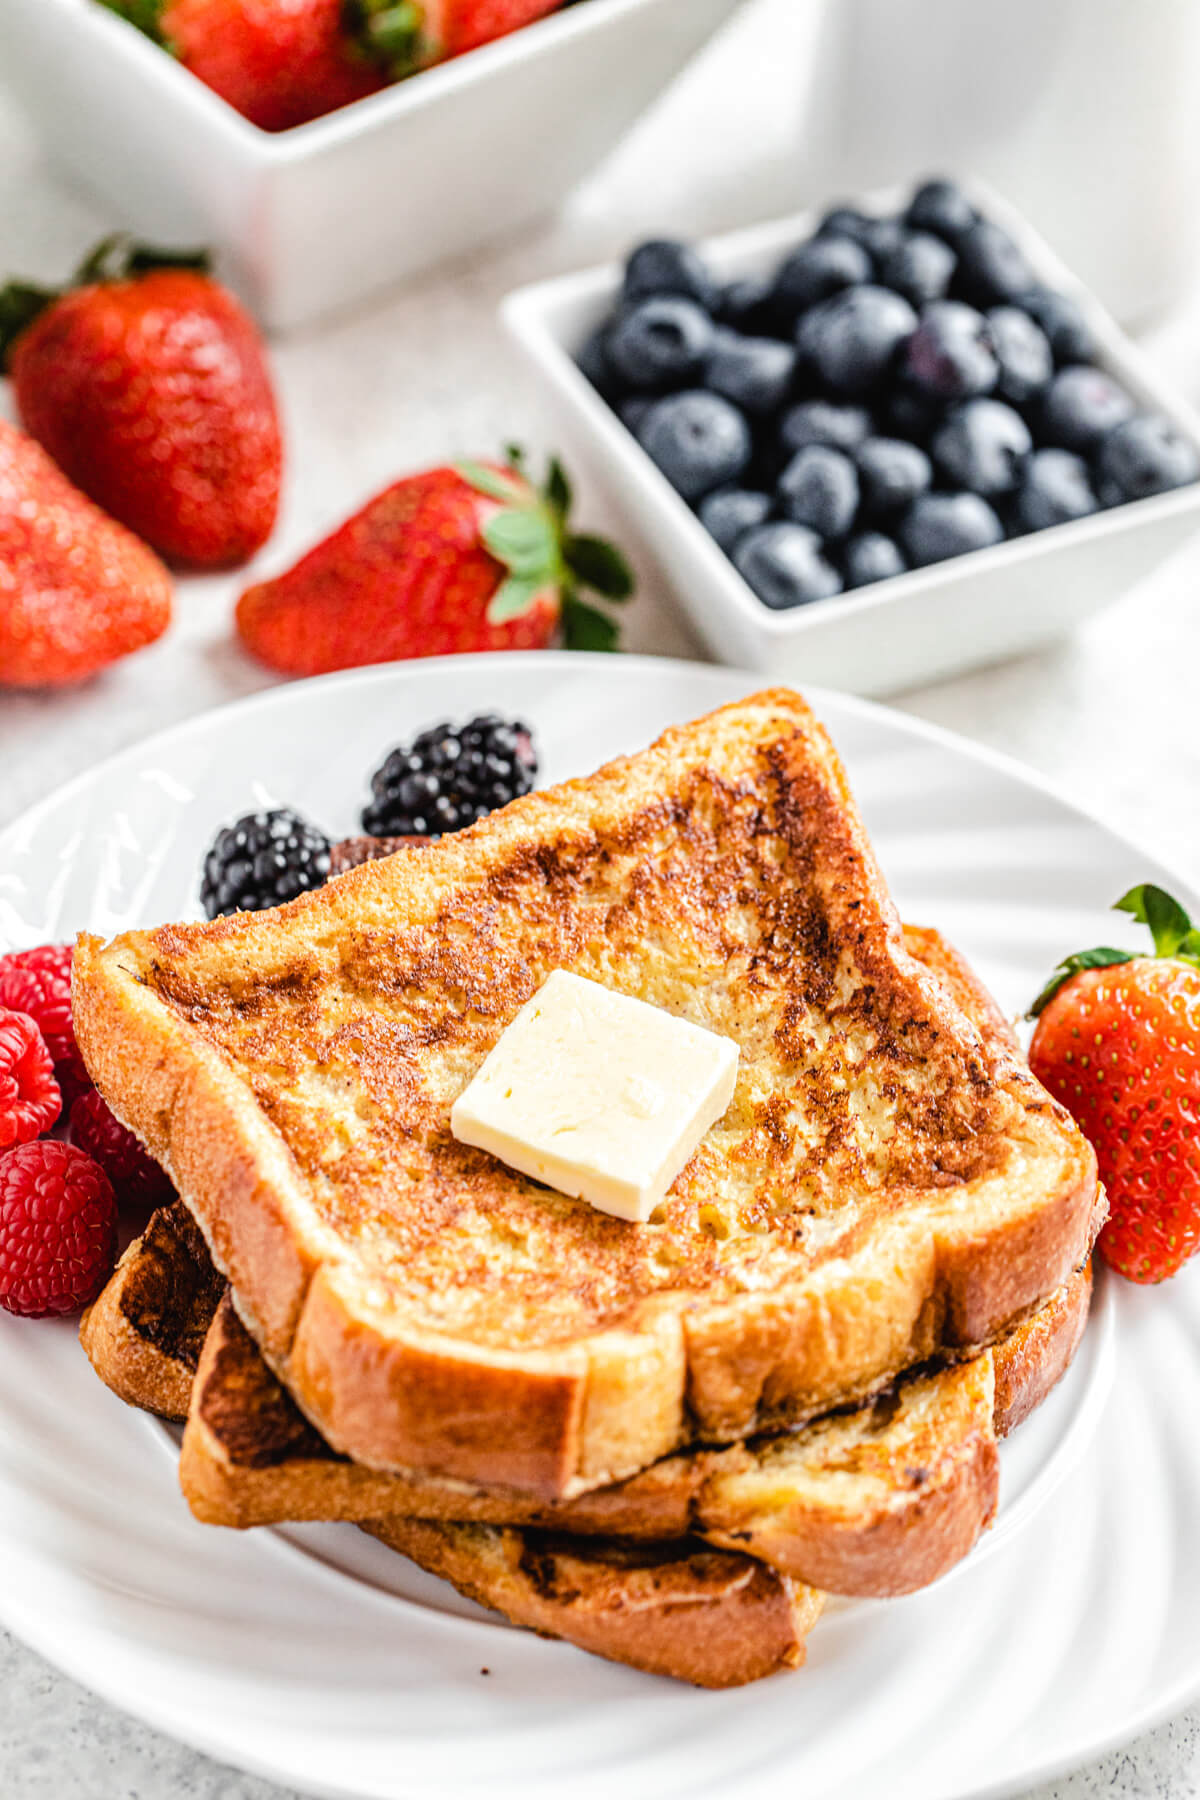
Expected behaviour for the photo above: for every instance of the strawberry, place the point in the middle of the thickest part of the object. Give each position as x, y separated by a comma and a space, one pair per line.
471, 557
146, 382
77, 590
278, 62
415, 33
1118, 1042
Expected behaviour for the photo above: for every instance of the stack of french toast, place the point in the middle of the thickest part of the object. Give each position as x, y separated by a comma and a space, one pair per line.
665, 1441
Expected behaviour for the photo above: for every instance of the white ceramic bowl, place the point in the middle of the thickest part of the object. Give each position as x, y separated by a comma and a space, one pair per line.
320, 216
930, 623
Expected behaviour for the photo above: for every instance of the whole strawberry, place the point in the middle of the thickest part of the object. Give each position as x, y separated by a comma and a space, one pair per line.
278, 62
77, 590
1118, 1042
146, 382
472, 557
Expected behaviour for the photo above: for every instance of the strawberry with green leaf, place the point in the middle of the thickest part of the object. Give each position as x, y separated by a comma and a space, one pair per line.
461, 558
1118, 1042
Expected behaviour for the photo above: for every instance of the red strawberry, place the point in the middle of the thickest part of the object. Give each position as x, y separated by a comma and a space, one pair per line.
279, 62
416, 33
146, 382
465, 558
77, 590
1118, 1042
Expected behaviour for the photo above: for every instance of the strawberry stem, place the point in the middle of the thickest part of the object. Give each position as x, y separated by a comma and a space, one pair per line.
144, 15
115, 258
389, 33
1170, 927
529, 535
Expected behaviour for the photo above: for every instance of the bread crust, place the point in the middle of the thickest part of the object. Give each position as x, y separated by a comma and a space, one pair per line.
933, 1278
705, 1616
879, 1501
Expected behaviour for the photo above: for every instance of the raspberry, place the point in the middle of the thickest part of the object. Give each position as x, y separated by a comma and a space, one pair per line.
58, 1229
136, 1178
30, 1100
38, 982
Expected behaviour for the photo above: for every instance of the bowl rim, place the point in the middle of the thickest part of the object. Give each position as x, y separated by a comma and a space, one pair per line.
301, 143
529, 314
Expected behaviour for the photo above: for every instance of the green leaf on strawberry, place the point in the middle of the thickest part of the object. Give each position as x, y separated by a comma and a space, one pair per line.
597, 564
524, 540
1170, 926
529, 537
117, 257
586, 627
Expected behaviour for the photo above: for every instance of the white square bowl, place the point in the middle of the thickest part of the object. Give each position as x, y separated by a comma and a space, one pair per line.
922, 626
323, 215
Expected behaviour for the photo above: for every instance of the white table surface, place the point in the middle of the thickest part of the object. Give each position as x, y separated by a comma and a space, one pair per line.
1110, 715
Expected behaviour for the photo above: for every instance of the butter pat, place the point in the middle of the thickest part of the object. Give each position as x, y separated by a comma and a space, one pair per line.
597, 1095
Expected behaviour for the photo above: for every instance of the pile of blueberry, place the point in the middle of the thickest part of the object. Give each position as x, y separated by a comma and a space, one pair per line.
899, 391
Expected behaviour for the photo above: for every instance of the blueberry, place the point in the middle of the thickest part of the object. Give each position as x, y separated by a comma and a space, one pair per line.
941, 206
1069, 333
1023, 352
950, 356
1082, 405
593, 362
938, 526
891, 474
1056, 487
919, 266
881, 236
909, 414
663, 266
848, 222
870, 556
698, 440
730, 513
756, 373
852, 339
784, 565
992, 268
748, 305
819, 488
1144, 456
983, 446
823, 422
822, 266
660, 344
633, 410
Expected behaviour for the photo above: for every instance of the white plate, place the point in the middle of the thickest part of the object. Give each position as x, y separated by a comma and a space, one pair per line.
316, 1658
921, 626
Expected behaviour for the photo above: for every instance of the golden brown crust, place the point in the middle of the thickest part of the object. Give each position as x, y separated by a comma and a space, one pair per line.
986, 1203
878, 1501
1031, 1363
706, 1616
145, 1331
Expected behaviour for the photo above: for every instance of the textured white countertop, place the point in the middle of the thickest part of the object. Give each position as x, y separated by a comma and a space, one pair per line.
1110, 716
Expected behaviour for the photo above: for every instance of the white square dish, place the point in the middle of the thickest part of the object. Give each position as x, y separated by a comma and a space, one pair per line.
922, 626
323, 215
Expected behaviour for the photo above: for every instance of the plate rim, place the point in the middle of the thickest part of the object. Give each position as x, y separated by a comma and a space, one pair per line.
815, 693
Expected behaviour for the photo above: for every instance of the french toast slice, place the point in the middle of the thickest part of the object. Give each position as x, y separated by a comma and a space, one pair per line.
144, 1332
682, 1609
878, 1500
884, 1189
707, 1616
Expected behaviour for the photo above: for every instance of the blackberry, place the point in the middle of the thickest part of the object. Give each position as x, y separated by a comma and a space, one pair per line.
449, 776
261, 861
